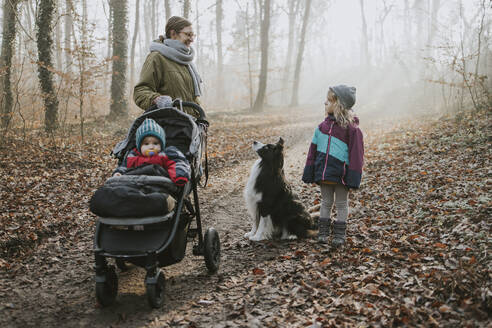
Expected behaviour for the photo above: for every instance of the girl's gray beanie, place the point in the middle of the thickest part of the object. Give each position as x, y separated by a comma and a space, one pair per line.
345, 94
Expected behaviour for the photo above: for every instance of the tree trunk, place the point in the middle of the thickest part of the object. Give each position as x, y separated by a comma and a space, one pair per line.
167, 6
147, 27
382, 42
82, 67
248, 43
153, 19
186, 8
118, 109
8, 37
67, 43
419, 11
44, 22
406, 25
293, 8
220, 65
198, 44
264, 31
109, 44
365, 59
58, 36
134, 42
297, 74
436, 5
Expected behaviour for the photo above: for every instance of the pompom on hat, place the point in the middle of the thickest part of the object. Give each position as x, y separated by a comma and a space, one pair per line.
345, 94
149, 127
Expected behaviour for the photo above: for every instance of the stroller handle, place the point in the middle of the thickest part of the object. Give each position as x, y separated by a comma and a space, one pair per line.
202, 117
178, 103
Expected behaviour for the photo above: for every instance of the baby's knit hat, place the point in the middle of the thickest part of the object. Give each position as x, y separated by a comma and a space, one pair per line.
345, 94
149, 127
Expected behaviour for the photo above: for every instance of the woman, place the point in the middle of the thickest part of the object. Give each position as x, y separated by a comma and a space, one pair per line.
168, 72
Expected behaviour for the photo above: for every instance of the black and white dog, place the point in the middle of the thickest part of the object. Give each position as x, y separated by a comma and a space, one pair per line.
275, 210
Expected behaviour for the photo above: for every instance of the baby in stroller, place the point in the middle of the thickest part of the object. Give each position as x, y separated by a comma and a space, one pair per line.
155, 190
150, 142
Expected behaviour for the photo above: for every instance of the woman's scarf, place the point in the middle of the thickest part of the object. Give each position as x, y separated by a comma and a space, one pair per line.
178, 52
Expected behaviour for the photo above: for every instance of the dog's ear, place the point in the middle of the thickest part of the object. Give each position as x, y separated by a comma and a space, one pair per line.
280, 141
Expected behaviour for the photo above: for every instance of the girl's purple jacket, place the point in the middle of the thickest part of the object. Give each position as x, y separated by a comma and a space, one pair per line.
336, 154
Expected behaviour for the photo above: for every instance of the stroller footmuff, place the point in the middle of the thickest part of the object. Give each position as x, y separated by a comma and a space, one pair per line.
145, 219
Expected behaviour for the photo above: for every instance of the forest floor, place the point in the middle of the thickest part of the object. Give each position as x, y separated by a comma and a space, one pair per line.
418, 250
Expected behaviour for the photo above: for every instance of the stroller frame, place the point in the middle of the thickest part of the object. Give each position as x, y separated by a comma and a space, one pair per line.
153, 259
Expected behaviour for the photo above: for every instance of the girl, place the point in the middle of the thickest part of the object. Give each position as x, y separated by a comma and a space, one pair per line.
335, 160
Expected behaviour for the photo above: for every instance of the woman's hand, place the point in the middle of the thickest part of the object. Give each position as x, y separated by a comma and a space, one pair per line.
163, 101
117, 174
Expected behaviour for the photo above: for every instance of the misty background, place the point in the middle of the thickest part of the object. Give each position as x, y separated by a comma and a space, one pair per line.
403, 56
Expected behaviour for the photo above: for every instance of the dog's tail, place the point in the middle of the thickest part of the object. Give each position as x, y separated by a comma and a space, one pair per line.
303, 225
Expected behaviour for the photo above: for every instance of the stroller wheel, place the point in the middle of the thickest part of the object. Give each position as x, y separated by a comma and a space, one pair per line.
212, 250
106, 290
155, 289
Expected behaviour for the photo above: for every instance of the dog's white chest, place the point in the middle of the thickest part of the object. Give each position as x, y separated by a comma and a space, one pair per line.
250, 195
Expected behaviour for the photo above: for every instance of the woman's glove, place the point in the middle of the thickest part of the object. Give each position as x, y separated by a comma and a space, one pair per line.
163, 101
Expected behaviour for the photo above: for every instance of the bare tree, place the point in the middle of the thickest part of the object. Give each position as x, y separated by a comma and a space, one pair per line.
220, 65
147, 27
264, 31
153, 18
118, 107
419, 10
58, 36
436, 5
186, 8
248, 43
109, 42
297, 74
292, 14
67, 43
365, 58
8, 37
198, 44
167, 7
380, 21
44, 23
134, 42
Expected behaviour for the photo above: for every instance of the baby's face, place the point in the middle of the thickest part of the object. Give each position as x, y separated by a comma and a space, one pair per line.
150, 146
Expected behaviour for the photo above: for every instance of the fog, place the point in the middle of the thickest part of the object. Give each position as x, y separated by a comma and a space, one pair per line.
403, 56
394, 77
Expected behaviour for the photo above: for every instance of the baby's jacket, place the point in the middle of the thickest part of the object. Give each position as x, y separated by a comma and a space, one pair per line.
172, 160
336, 154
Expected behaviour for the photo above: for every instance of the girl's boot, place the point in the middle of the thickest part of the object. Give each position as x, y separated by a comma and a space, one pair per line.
339, 229
324, 230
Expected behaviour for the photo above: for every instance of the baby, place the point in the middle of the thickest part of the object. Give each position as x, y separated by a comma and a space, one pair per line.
150, 142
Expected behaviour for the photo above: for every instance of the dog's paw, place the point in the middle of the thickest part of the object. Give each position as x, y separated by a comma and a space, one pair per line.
289, 237
257, 238
248, 234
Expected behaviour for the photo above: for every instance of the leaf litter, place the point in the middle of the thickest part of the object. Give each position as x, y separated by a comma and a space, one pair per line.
417, 250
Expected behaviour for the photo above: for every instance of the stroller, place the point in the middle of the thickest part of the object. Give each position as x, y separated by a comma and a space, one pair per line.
156, 241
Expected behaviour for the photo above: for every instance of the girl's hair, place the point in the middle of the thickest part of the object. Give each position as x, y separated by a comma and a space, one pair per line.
343, 116
176, 23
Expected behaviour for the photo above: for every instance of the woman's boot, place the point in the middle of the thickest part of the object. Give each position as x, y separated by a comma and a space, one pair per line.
339, 229
324, 230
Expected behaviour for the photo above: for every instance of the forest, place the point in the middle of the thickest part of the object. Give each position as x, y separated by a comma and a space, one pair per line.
418, 248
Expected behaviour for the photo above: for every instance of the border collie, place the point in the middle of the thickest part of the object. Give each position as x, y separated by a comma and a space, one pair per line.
275, 210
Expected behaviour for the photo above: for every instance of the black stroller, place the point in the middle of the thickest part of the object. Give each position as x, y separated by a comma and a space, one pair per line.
160, 240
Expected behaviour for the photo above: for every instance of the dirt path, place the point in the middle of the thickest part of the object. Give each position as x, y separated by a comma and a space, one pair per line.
54, 286
417, 252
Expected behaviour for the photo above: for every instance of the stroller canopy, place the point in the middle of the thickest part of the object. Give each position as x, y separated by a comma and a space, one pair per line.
181, 131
